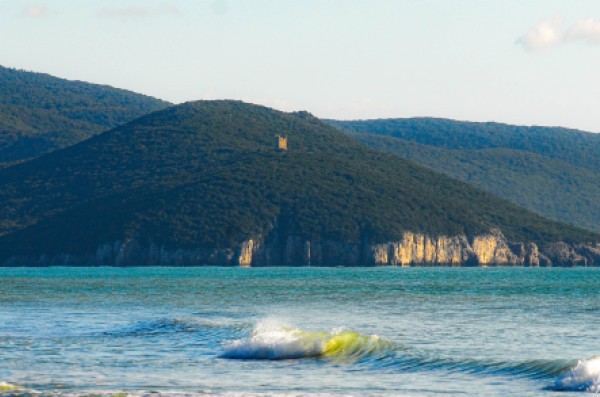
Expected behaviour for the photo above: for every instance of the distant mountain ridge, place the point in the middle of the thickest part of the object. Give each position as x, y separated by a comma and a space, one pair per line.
203, 183
40, 113
572, 146
553, 171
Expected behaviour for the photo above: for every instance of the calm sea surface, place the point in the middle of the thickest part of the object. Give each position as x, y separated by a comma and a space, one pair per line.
299, 331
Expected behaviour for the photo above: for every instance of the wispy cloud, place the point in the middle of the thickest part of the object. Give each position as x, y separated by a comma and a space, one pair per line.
552, 33
137, 11
543, 35
36, 11
586, 30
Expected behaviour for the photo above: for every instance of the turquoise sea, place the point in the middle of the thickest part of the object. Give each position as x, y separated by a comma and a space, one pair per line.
299, 332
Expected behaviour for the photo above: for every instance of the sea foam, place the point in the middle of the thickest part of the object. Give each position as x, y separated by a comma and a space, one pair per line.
585, 376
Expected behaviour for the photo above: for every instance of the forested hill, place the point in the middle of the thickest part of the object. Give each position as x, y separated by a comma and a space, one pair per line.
207, 175
40, 113
552, 171
572, 146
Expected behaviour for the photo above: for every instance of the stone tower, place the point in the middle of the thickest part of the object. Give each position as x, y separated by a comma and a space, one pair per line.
281, 143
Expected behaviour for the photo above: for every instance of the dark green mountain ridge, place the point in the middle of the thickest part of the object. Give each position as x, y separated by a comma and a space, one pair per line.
552, 171
572, 146
205, 179
40, 113
558, 179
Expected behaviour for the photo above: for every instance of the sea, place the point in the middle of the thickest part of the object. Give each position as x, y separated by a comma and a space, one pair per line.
158, 331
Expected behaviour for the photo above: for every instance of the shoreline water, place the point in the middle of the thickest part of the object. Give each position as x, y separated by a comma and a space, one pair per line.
299, 331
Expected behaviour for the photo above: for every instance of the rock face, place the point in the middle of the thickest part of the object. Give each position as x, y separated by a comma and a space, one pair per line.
563, 254
413, 250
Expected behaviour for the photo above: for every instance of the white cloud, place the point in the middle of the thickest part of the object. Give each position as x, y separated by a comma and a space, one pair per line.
137, 11
586, 29
544, 35
551, 33
36, 11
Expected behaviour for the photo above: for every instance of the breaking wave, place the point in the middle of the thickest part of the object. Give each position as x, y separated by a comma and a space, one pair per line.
270, 340
584, 376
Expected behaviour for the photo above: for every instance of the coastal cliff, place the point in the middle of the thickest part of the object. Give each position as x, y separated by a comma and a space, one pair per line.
414, 249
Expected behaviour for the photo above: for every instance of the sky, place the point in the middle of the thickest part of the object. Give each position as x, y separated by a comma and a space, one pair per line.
529, 62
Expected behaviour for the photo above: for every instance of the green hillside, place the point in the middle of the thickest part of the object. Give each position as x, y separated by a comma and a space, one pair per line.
575, 147
551, 171
206, 174
40, 113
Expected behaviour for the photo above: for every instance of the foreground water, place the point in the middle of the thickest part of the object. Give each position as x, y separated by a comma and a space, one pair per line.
299, 331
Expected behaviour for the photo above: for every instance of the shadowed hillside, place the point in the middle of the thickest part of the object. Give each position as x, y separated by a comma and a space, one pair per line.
206, 176
40, 113
552, 171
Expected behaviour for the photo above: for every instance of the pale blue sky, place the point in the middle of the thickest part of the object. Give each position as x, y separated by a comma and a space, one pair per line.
514, 61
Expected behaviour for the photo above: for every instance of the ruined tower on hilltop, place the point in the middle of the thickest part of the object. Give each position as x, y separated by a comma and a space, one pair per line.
281, 143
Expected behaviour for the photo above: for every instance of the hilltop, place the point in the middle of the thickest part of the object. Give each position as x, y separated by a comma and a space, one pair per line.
40, 113
203, 183
552, 171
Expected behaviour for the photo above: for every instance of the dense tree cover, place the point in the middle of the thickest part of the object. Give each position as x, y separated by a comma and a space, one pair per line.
554, 188
575, 147
40, 113
206, 174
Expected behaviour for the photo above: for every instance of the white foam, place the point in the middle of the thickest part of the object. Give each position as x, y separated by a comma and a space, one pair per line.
585, 376
5, 386
272, 340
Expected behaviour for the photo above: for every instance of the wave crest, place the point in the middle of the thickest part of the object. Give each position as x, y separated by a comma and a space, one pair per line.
270, 340
585, 376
